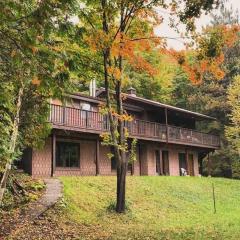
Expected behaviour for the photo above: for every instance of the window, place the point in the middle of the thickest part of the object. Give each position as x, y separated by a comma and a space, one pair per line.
67, 154
113, 160
113, 164
85, 106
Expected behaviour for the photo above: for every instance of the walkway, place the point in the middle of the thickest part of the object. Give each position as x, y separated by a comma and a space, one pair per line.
35, 210
52, 194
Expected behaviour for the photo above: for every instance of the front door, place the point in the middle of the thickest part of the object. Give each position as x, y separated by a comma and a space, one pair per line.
182, 163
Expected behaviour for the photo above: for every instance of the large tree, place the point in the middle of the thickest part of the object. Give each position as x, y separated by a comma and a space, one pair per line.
117, 32
32, 70
232, 131
210, 95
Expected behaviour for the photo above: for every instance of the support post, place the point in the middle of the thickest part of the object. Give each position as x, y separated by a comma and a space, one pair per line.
166, 121
140, 159
64, 115
200, 160
187, 160
53, 153
97, 158
209, 166
133, 168
161, 161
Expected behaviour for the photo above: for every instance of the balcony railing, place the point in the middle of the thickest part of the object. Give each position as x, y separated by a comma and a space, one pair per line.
96, 122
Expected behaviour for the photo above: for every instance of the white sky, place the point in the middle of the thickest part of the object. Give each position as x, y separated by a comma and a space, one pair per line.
166, 31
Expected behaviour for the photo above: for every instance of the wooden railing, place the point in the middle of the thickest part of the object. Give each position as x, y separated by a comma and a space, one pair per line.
90, 120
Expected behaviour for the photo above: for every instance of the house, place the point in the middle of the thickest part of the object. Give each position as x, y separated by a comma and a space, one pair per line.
167, 142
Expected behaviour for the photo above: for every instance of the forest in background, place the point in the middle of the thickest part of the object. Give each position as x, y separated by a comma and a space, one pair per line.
44, 55
210, 96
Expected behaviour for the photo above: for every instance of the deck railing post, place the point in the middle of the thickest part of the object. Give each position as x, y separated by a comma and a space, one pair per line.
50, 113
63, 116
166, 122
86, 119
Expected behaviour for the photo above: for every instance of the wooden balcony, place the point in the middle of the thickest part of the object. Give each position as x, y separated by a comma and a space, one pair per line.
94, 122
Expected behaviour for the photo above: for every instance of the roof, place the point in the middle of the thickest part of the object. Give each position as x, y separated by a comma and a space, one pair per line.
97, 99
162, 105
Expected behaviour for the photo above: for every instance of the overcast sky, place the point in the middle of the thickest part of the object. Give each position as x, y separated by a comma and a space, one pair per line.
165, 30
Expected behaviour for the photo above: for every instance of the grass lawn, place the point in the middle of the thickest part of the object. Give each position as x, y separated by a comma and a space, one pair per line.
158, 208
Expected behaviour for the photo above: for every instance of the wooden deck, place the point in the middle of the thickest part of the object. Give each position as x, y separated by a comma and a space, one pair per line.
94, 122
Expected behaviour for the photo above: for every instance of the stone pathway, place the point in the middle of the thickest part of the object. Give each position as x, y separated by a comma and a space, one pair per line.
52, 194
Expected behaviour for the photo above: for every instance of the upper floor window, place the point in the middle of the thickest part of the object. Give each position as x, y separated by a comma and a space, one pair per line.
85, 106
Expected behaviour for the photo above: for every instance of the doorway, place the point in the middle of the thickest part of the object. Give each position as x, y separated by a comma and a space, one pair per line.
158, 162
165, 162
190, 165
182, 163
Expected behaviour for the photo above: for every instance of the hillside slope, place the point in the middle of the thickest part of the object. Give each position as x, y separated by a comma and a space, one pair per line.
159, 208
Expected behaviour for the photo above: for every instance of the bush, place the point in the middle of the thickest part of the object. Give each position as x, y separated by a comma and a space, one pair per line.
21, 189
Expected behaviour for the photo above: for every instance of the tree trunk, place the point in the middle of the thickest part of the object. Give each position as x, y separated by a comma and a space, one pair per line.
121, 184
118, 141
12, 144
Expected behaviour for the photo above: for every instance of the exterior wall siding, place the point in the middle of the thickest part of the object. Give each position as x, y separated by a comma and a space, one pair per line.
151, 160
104, 161
88, 157
196, 167
136, 165
173, 162
145, 163
42, 160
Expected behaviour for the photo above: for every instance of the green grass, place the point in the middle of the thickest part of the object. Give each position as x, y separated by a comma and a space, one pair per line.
159, 208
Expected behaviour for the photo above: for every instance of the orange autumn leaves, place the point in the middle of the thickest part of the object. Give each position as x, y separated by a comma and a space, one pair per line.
125, 47
209, 55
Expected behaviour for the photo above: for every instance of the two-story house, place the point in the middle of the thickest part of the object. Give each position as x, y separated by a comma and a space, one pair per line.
167, 141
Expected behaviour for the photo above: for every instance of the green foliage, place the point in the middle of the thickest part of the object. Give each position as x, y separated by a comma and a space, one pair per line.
233, 130
33, 58
133, 151
112, 206
236, 168
211, 95
158, 87
21, 189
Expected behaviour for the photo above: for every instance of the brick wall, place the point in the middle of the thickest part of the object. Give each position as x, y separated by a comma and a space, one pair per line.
104, 161
173, 161
136, 164
42, 160
195, 159
148, 158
